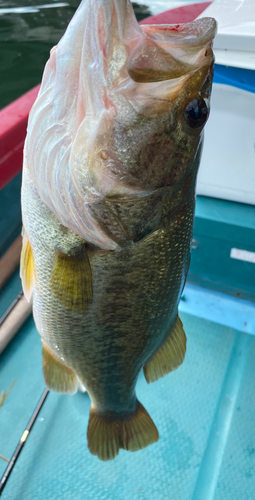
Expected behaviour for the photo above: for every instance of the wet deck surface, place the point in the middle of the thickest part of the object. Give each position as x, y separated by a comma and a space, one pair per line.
204, 412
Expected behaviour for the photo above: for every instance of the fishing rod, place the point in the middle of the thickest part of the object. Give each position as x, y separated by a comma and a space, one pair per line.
10, 322
11, 307
13, 318
22, 441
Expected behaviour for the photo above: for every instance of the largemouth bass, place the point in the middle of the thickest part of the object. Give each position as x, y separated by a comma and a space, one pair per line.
108, 195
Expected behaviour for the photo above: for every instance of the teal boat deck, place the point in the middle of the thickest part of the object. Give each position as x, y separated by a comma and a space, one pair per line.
203, 411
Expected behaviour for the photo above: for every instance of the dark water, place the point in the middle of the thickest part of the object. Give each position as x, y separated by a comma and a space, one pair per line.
26, 38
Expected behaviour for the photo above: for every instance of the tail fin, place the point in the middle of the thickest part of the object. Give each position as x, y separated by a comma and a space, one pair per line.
106, 436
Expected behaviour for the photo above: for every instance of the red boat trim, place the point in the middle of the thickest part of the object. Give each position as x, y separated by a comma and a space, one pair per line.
13, 127
13, 118
184, 14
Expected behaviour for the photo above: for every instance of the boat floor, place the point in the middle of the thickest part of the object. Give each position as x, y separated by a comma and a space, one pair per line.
204, 413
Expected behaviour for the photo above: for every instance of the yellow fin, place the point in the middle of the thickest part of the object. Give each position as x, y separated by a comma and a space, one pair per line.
106, 436
71, 279
27, 267
57, 376
169, 356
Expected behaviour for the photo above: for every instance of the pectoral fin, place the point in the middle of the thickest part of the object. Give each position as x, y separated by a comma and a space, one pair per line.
27, 267
71, 279
57, 376
169, 356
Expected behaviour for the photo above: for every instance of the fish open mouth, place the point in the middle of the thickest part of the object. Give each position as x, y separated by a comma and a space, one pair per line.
171, 51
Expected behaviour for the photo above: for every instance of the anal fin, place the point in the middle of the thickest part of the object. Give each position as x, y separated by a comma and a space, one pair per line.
71, 279
170, 355
106, 435
57, 376
27, 267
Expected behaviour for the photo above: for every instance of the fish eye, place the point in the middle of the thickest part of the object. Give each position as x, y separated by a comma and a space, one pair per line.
196, 113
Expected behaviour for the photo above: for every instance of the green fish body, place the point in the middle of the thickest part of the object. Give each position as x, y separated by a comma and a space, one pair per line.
108, 200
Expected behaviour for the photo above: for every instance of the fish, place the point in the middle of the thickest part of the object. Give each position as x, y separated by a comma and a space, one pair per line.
111, 156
